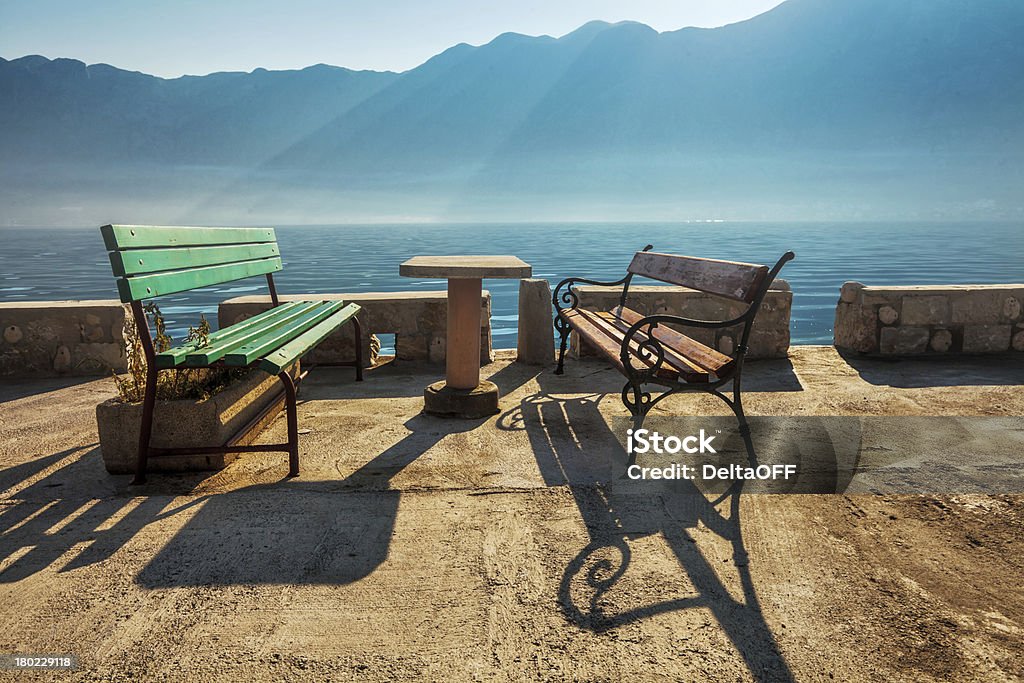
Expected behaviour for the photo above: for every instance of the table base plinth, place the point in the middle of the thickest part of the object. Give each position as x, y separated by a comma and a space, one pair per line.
444, 401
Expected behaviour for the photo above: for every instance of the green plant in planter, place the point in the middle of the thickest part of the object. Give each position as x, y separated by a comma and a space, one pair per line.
176, 384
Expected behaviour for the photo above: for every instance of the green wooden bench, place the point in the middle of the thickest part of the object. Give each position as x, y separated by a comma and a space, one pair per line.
153, 261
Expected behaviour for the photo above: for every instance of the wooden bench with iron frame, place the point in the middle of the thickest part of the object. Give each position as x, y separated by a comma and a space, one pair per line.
647, 350
152, 261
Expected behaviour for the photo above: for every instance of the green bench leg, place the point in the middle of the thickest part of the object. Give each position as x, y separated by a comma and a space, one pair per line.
291, 410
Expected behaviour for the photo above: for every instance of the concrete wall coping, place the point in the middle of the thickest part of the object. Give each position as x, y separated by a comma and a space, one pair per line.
778, 285
70, 303
428, 295
933, 288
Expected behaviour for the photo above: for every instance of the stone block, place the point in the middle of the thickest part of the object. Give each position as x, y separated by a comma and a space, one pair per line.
925, 310
412, 347
971, 318
772, 343
902, 341
986, 338
437, 349
13, 334
850, 291
942, 341
856, 328
536, 341
1018, 341
888, 315
874, 296
981, 307
1011, 308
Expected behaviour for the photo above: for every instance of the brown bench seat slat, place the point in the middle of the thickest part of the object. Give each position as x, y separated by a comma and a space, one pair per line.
701, 355
668, 369
594, 335
681, 366
607, 337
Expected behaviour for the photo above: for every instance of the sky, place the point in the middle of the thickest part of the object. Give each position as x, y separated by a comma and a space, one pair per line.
174, 37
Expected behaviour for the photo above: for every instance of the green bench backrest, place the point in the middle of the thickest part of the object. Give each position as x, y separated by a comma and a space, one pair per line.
151, 261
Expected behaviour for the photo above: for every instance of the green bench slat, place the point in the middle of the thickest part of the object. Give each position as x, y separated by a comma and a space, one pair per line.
209, 354
274, 339
149, 286
174, 357
140, 261
150, 261
119, 237
278, 360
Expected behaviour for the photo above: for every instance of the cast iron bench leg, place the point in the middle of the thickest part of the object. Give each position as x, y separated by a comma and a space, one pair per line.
359, 348
563, 331
293, 423
146, 424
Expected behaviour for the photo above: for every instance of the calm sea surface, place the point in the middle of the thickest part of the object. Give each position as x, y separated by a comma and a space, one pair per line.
70, 263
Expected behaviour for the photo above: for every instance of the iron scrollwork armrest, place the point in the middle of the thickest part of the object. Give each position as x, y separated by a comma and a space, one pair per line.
648, 350
570, 297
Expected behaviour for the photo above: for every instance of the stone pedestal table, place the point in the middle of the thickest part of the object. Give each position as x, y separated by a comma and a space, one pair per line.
462, 394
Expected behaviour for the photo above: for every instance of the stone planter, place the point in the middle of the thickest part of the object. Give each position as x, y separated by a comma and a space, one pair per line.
180, 424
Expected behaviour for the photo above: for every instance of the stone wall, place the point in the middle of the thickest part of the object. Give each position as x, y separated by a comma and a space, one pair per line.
933, 319
418, 320
53, 338
769, 337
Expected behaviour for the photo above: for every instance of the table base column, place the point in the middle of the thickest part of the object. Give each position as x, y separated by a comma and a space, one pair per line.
462, 394
445, 401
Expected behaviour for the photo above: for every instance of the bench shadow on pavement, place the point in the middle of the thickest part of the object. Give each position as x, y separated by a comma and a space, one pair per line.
1001, 369
41, 523
320, 532
568, 434
14, 389
297, 532
291, 531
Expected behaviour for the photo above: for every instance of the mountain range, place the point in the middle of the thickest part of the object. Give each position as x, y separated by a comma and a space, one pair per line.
817, 109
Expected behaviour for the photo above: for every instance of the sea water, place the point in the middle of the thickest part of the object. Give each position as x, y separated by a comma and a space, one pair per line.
71, 263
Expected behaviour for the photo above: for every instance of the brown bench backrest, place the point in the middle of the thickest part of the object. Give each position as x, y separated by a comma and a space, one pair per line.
733, 280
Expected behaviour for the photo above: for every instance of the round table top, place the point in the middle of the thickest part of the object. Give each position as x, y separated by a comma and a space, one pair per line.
465, 267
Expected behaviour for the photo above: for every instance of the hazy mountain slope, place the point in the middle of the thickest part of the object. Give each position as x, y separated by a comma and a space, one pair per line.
818, 108
818, 73
62, 110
